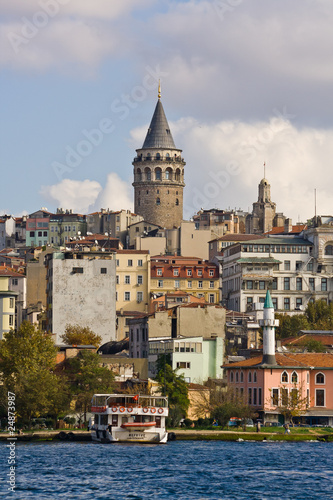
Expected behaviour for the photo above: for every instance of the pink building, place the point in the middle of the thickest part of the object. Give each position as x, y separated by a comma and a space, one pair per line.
266, 380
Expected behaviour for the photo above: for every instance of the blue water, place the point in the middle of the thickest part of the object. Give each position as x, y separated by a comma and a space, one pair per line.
181, 470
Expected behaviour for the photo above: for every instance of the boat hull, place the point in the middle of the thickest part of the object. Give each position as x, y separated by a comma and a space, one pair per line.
129, 436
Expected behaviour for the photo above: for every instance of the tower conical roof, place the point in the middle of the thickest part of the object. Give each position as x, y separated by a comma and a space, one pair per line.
159, 134
268, 301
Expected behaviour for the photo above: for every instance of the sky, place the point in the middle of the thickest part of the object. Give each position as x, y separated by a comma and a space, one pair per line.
243, 83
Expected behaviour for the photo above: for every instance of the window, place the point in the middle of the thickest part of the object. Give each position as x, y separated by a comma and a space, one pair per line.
298, 302
200, 284
298, 283
250, 396
130, 263
312, 285
211, 298
320, 397
127, 279
117, 262
211, 284
275, 397
117, 279
127, 296
309, 266
32, 234
139, 297
286, 283
11, 302
254, 396
176, 283
284, 396
324, 284
294, 377
140, 263
11, 320
189, 272
140, 279
329, 250
231, 376
274, 284
52, 229
211, 272
189, 284
287, 265
255, 377
176, 272
275, 303
320, 378
177, 202
159, 272
284, 377
160, 284
104, 270
14, 281
237, 376
286, 303
199, 272
298, 265
249, 285
183, 364
261, 285
242, 376
77, 270
158, 201
259, 396
250, 376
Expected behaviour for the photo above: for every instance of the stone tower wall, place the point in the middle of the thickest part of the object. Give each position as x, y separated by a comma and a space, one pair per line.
158, 186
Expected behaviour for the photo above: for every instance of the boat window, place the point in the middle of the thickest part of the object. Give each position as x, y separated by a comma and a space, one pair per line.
103, 420
158, 422
115, 420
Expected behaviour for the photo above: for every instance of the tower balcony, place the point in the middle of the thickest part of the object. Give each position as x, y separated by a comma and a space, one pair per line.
166, 159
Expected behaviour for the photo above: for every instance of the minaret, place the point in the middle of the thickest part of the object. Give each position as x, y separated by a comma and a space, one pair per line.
269, 323
159, 174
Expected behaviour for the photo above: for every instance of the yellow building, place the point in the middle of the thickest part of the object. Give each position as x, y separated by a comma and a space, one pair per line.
189, 274
132, 280
7, 304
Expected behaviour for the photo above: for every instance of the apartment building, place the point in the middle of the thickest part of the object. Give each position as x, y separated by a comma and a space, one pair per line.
81, 289
196, 276
132, 280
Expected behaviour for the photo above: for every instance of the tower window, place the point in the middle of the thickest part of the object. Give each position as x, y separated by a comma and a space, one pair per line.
158, 201
158, 174
177, 201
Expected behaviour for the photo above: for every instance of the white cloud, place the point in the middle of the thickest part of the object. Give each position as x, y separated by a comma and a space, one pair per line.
89, 196
77, 195
224, 164
116, 195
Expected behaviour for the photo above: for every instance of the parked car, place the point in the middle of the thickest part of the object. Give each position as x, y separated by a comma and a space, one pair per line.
272, 424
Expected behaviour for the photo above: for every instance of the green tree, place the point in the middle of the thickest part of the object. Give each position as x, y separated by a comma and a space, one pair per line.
289, 326
292, 403
319, 315
174, 386
313, 345
223, 404
86, 377
27, 363
80, 335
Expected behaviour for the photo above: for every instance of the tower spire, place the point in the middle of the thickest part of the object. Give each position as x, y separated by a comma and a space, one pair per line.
159, 89
269, 323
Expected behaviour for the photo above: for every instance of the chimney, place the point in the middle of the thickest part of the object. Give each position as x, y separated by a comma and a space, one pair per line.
269, 323
288, 226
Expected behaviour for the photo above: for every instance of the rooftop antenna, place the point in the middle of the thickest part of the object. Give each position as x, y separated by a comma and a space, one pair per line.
264, 170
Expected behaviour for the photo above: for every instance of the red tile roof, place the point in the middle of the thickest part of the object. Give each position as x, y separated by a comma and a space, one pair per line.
319, 360
298, 228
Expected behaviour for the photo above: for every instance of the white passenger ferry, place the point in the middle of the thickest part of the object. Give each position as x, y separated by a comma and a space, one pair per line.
129, 418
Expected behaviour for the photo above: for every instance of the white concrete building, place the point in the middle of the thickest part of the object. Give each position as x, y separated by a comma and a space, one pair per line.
81, 289
292, 267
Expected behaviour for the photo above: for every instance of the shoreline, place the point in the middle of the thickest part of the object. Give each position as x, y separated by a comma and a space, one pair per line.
180, 435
